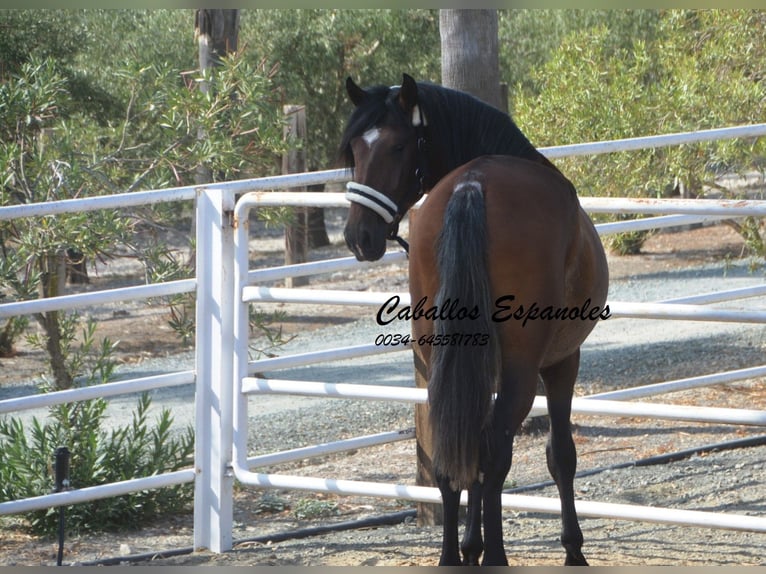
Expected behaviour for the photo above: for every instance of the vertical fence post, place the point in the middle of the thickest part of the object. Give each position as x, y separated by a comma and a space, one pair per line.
213, 488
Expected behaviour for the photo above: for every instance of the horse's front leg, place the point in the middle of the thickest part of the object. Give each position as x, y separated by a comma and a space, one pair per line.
560, 452
451, 504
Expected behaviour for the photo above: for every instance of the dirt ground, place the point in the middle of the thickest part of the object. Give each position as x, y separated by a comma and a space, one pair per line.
143, 333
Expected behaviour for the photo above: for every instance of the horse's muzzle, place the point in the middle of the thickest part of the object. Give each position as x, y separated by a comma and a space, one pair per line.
365, 244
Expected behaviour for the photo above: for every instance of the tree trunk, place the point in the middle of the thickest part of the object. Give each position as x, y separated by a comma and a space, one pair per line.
469, 50
469, 53
52, 276
217, 33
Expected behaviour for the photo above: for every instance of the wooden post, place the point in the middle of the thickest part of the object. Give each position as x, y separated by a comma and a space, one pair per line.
294, 161
429, 514
317, 230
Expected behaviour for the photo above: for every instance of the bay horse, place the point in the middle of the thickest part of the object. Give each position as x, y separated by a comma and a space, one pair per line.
509, 277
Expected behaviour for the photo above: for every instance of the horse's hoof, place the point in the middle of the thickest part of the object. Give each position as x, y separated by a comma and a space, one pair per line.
471, 559
450, 561
498, 561
575, 559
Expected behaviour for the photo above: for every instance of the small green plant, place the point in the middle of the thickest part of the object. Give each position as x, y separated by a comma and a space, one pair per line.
308, 508
270, 503
750, 228
9, 333
628, 243
267, 331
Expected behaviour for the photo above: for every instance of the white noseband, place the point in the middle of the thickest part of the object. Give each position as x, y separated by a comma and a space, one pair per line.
373, 199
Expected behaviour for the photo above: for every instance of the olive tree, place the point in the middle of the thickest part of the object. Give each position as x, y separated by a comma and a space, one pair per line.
686, 77
312, 51
50, 151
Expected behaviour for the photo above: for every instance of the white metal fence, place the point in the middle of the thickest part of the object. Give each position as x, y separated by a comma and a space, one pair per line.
222, 374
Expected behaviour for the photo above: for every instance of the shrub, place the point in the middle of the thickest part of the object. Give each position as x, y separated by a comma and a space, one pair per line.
97, 457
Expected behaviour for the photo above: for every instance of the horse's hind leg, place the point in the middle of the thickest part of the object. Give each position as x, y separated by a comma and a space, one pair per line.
517, 392
559, 382
450, 555
472, 545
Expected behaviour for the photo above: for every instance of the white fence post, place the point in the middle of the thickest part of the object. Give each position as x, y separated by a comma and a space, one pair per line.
213, 487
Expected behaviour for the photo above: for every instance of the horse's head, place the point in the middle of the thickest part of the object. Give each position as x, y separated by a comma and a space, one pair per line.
384, 143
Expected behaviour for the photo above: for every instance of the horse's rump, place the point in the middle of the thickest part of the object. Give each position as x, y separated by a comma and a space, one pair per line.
497, 229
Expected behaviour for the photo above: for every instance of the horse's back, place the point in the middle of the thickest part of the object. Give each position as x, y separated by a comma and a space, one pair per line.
543, 252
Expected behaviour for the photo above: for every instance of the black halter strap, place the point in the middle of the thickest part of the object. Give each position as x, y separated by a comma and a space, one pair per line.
421, 173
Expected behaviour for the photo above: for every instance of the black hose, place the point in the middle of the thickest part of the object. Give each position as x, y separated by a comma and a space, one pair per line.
117, 560
398, 517
653, 460
371, 522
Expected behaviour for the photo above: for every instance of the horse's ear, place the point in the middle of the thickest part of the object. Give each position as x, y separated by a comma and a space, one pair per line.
356, 94
408, 94
408, 100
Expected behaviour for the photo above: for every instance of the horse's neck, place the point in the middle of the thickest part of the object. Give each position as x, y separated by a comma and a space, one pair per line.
541, 159
473, 145
476, 131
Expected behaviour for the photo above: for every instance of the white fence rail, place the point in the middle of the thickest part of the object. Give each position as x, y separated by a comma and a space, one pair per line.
243, 466
222, 334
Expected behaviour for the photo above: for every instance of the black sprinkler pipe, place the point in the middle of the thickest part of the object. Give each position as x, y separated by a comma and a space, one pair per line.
61, 478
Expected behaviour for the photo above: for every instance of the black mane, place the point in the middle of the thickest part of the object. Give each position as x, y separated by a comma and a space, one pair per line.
464, 126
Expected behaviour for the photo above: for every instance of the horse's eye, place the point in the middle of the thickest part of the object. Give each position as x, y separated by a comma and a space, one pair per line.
399, 147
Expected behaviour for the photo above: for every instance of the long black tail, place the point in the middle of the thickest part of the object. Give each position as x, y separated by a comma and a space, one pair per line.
463, 373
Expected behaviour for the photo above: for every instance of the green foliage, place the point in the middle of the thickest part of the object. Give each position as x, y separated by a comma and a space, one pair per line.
239, 115
87, 362
97, 457
528, 38
310, 508
102, 102
57, 35
270, 503
9, 333
50, 151
266, 335
42, 159
683, 76
121, 39
313, 51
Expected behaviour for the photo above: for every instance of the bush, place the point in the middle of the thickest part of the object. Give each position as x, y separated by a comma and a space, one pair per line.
600, 84
97, 457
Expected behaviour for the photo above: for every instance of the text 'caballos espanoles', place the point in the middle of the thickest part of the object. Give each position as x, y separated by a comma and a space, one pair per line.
504, 310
